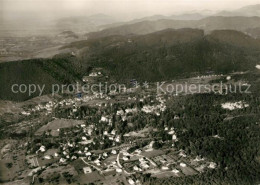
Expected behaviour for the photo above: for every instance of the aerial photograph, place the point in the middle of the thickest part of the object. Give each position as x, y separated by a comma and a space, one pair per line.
130, 92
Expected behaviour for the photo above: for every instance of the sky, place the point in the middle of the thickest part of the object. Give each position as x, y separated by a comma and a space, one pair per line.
127, 9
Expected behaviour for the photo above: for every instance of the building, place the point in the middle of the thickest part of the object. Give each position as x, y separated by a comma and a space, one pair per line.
87, 170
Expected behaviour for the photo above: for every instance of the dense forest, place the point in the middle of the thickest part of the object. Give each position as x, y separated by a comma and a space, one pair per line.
58, 70
237, 153
163, 55
236, 150
170, 53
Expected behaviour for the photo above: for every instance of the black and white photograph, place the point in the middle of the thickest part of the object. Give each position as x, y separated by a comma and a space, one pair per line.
130, 92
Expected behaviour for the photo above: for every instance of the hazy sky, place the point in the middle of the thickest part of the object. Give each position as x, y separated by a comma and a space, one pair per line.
46, 9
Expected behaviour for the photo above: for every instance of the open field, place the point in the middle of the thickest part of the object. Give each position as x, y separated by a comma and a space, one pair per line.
6, 174
58, 124
152, 153
167, 174
93, 177
187, 170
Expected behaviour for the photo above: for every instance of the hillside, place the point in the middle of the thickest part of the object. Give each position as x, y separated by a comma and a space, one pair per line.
185, 16
163, 55
254, 32
251, 10
207, 24
235, 38
68, 34
143, 27
37, 71
188, 16
84, 23
171, 53
247, 11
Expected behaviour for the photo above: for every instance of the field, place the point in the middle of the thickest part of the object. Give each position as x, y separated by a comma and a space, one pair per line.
187, 170
58, 124
90, 178
141, 133
167, 174
9, 107
11, 167
152, 153
189, 85
6, 174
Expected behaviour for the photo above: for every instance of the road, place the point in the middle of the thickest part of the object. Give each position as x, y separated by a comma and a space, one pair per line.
91, 165
120, 166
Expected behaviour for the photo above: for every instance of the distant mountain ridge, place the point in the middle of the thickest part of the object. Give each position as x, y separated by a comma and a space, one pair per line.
248, 11
208, 24
87, 23
185, 16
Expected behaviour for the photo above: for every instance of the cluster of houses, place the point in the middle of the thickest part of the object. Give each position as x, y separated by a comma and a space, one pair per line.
71, 150
82, 149
132, 181
48, 107
92, 77
234, 105
155, 109
172, 132
126, 112
209, 76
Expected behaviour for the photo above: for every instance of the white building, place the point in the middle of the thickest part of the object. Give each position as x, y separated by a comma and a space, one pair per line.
114, 152
87, 170
183, 165
212, 165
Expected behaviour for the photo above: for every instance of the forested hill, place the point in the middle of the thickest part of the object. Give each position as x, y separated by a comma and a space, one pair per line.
40, 72
208, 24
163, 55
170, 53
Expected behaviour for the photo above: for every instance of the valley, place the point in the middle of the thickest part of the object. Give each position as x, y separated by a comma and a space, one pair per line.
89, 98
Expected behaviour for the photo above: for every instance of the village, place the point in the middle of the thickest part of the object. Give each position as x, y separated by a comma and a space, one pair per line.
108, 138
93, 138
